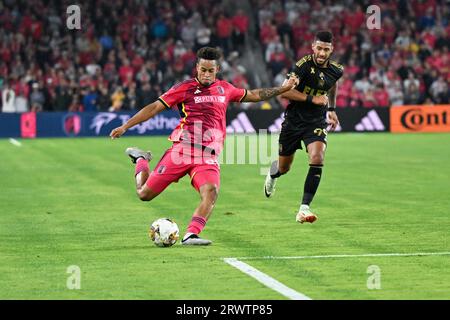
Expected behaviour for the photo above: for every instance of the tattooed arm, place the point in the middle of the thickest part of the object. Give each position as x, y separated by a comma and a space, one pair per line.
256, 95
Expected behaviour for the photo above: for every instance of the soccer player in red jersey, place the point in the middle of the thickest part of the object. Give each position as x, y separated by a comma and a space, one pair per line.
197, 140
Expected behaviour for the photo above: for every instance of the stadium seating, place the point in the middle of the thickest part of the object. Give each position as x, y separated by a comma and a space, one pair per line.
129, 52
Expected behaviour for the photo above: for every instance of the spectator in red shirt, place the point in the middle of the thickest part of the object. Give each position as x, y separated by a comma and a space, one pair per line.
352, 69
429, 37
36, 29
278, 60
268, 32
126, 72
354, 20
369, 100
5, 52
381, 96
240, 24
355, 98
224, 27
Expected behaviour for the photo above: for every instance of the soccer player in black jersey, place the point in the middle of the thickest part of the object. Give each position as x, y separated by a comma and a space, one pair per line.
308, 117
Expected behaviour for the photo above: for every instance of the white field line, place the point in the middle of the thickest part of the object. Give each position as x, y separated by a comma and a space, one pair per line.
291, 293
266, 280
334, 256
15, 142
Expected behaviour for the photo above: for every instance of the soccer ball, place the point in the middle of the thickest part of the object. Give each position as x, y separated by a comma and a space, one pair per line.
164, 232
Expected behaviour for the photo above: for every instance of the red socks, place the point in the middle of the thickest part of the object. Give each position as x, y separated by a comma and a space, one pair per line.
141, 165
197, 224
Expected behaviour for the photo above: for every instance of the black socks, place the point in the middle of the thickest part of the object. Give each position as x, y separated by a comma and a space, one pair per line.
274, 172
312, 182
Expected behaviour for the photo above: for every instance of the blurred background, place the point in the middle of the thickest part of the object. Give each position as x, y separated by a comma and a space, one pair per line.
128, 52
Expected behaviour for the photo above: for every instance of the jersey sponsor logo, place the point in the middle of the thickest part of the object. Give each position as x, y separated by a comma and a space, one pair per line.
371, 122
203, 99
241, 124
313, 91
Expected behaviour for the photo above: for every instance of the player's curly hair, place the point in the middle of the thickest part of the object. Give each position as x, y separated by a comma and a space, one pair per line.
208, 53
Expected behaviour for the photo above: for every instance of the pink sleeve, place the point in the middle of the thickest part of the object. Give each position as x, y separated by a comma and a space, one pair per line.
173, 96
235, 94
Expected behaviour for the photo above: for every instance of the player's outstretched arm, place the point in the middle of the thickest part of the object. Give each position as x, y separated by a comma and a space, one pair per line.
146, 113
256, 95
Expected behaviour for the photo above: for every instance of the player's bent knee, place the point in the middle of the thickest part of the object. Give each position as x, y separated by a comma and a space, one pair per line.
316, 159
144, 197
146, 194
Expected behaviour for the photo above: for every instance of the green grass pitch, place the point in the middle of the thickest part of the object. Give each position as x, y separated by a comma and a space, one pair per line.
67, 202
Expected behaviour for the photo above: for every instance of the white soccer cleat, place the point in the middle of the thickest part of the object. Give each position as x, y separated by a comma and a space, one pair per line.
305, 215
269, 184
194, 240
135, 153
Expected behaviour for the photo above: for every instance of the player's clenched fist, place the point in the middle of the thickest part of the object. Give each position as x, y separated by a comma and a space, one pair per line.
292, 81
117, 132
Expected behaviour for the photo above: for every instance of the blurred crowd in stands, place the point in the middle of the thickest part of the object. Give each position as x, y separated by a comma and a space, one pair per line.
407, 61
130, 51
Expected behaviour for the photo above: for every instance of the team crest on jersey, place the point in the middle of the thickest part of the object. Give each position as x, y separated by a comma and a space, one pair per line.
221, 90
322, 79
161, 169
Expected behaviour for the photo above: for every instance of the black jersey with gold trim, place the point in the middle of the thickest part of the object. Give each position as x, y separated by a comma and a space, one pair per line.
315, 81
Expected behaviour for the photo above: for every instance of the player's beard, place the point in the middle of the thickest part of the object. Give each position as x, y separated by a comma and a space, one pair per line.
325, 60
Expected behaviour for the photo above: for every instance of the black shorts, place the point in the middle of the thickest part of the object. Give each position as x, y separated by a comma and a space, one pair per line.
291, 139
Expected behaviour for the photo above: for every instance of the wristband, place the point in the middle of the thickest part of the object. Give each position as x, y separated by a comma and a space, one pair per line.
309, 99
331, 109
